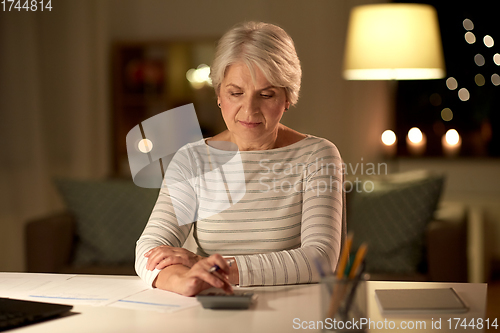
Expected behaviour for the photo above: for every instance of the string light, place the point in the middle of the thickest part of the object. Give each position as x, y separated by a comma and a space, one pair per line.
470, 37
446, 114
488, 41
468, 25
479, 79
452, 83
495, 79
479, 59
463, 94
496, 59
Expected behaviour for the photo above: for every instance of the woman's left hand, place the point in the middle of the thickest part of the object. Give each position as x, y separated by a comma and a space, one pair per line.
164, 255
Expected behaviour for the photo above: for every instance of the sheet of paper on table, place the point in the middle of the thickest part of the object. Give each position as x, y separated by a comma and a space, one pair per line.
91, 290
18, 285
156, 300
87, 290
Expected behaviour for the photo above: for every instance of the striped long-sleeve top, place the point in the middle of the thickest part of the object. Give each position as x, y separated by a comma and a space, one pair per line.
273, 210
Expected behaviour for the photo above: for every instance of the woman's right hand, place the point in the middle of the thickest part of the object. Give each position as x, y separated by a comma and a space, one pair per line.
164, 256
191, 281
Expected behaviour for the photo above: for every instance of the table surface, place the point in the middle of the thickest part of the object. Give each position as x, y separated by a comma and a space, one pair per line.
277, 309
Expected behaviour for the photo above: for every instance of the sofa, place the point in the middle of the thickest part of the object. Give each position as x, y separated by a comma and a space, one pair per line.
64, 243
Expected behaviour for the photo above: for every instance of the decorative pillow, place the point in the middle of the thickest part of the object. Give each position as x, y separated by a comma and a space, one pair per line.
110, 217
391, 215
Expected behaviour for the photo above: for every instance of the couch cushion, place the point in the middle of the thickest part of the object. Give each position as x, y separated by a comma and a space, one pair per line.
391, 215
110, 217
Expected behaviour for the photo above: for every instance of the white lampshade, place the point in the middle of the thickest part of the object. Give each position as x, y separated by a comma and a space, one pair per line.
393, 42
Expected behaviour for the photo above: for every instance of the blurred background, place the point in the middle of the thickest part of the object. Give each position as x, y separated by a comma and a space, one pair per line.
76, 79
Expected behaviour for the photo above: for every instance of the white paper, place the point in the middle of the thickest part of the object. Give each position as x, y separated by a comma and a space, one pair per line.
122, 292
17, 285
78, 290
156, 300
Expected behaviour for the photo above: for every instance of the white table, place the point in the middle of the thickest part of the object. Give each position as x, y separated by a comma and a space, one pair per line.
278, 309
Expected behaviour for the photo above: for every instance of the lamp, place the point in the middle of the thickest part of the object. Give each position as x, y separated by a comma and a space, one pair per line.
393, 42
396, 41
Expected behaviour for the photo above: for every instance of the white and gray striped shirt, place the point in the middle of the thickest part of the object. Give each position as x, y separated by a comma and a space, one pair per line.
273, 210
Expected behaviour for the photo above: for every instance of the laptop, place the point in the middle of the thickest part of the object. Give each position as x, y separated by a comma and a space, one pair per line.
15, 313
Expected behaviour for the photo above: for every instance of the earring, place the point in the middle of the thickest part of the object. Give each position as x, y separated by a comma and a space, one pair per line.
286, 109
218, 104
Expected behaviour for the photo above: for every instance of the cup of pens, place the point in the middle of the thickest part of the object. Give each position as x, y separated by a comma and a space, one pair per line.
343, 303
344, 293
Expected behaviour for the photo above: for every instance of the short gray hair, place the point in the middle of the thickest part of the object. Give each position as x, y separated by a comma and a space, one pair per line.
264, 45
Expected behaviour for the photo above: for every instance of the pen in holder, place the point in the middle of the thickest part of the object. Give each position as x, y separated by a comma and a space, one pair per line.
344, 293
344, 299
352, 292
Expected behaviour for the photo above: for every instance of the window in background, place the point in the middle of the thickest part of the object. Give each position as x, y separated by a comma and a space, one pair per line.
468, 99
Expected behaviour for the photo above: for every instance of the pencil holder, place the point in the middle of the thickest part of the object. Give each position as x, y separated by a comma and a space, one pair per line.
343, 303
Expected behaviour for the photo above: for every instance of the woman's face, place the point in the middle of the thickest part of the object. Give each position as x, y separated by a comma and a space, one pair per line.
251, 110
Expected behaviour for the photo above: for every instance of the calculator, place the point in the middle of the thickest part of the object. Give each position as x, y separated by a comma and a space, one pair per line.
220, 300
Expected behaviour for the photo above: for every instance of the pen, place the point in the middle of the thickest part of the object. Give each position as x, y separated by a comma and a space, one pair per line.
360, 269
319, 267
215, 268
344, 257
352, 273
360, 256
322, 274
348, 267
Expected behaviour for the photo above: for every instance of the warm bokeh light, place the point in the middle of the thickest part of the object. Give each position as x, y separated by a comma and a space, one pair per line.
496, 59
479, 79
479, 59
452, 83
415, 135
388, 137
452, 137
468, 25
416, 142
470, 37
199, 77
463, 94
495, 79
451, 143
446, 114
145, 146
488, 41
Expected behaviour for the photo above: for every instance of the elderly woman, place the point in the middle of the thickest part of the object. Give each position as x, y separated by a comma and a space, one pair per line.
292, 210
